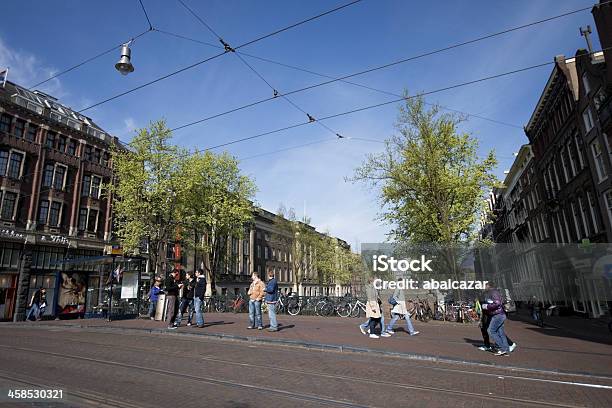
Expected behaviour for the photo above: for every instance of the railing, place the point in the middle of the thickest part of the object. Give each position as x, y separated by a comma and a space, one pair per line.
331, 306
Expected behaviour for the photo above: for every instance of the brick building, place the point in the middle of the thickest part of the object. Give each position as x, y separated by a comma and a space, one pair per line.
53, 162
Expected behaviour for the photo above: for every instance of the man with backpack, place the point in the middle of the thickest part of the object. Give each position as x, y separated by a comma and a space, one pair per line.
398, 301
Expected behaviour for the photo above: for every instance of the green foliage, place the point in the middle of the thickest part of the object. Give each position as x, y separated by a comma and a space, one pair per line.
430, 177
162, 193
145, 190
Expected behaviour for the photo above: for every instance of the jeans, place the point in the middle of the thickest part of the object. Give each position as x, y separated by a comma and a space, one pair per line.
185, 303
396, 317
152, 308
33, 312
367, 322
496, 331
484, 329
198, 304
255, 313
272, 315
373, 322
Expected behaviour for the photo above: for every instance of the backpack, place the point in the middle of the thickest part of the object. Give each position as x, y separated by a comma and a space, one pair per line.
392, 301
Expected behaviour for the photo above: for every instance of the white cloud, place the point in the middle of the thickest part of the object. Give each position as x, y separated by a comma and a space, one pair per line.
26, 69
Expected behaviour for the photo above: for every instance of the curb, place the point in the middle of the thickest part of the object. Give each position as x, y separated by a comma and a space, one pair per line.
319, 346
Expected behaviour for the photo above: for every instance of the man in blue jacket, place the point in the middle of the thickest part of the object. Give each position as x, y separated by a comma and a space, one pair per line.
271, 299
494, 309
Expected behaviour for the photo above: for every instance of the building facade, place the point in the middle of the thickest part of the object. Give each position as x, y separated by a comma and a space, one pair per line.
53, 163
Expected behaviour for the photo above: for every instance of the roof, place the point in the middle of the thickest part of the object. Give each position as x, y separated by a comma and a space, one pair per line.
562, 68
49, 107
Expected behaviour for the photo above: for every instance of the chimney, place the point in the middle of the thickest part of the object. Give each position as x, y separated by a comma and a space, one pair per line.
602, 14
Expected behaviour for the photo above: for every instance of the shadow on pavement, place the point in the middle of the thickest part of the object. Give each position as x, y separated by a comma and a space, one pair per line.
218, 323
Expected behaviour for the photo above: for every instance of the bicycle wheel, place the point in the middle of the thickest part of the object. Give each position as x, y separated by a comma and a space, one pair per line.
327, 309
293, 310
220, 306
343, 310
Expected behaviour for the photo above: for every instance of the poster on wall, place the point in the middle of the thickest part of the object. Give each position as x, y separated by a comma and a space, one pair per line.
72, 290
129, 285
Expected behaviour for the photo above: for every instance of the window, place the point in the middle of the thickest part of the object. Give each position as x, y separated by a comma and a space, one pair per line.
95, 186
4, 157
82, 219
54, 214
570, 156
92, 221
5, 123
14, 170
564, 166
86, 185
43, 212
8, 205
584, 216
97, 156
50, 142
59, 177
19, 130
71, 147
258, 251
599, 163
608, 197
61, 143
31, 134
592, 211
578, 151
88, 153
585, 83
48, 175
587, 117
105, 158
266, 252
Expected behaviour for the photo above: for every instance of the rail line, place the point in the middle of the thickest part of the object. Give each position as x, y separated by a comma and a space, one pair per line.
294, 395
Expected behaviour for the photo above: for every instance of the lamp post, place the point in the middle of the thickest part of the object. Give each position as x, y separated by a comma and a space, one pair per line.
124, 65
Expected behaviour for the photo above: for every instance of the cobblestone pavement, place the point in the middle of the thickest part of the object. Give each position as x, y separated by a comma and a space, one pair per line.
139, 363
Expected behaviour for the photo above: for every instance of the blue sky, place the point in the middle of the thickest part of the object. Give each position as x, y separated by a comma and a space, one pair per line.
40, 38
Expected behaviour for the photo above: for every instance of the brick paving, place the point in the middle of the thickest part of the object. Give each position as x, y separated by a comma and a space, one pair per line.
545, 348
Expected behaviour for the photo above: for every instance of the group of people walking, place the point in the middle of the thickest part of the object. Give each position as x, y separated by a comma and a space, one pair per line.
187, 295
492, 321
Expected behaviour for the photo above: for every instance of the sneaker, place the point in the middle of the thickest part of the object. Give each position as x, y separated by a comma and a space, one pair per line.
512, 347
414, 333
272, 329
152, 318
260, 328
485, 348
200, 326
391, 331
188, 324
385, 334
373, 336
250, 327
172, 327
500, 353
362, 330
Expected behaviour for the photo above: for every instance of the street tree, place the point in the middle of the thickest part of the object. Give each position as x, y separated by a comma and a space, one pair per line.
215, 209
431, 180
146, 192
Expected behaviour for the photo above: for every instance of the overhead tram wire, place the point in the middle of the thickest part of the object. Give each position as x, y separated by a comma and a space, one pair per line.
384, 66
198, 63
459, 85
103, 53
308, 71
275, 91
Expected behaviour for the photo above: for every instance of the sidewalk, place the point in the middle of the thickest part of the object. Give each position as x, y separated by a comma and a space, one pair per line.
581, 327
547, 348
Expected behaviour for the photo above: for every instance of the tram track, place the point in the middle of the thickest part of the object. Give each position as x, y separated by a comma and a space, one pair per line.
292, 394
